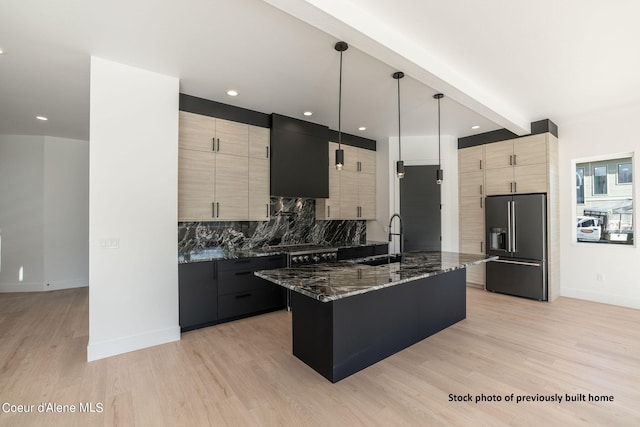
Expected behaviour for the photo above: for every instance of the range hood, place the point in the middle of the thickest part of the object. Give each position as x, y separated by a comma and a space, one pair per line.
299, 158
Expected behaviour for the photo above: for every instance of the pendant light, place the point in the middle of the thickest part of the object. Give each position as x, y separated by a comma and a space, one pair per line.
399, 164
439, 173
340, 47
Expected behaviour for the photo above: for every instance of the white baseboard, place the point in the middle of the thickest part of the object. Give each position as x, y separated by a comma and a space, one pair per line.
605, 298
39, 287
100, 350
22, 287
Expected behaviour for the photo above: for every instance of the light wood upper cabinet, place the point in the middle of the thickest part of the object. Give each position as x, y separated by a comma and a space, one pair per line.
352, 191
530, 150
204, 133
259, 142
471, 159
367, 159
367, 196
216, 180
232, 138
232, 187
517, 166
196, 185
498, 155
349, 207
258, 189
196, 132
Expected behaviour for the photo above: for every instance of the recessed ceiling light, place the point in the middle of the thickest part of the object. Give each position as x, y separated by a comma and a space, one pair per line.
2, 51
475, 127
362, 128
308, 113
232, 92
43, 118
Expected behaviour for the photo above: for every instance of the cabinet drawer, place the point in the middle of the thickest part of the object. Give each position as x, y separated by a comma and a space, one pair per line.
238, 281
239, 264
268, 297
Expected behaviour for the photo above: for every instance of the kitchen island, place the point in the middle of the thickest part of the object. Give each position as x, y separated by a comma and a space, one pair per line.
349, 315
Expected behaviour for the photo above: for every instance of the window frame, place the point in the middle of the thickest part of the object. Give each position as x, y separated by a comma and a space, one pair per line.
593, 180
618, 182
589, 163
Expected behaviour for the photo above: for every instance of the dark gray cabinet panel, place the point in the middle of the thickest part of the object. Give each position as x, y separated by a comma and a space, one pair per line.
241, 293
299, 162
198, 295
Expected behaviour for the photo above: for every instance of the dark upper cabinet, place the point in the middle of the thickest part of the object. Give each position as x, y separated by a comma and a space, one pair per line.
299, 162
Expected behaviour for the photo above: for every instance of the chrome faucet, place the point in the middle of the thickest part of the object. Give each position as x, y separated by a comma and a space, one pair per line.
400, 234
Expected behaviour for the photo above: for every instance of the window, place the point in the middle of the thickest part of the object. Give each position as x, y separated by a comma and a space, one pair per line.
600, 180
604, 213
624, 173
579, 185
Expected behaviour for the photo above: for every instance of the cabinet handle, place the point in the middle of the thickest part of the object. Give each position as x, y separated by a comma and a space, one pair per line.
218, 150
267, 147
213, 144
515, 187
515, 159
243, 273
511, 187
481, 247
328, 211
267, 205
218, 210
510, 159
213, 209
481, 189
480, 164
480, 202
243, 296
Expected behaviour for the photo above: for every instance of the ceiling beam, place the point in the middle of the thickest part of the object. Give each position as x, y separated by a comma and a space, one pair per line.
386, 43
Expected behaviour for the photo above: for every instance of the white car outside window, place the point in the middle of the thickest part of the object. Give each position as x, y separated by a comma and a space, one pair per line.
588, 228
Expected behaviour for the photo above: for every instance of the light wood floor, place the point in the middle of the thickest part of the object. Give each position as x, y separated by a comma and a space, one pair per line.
243, 373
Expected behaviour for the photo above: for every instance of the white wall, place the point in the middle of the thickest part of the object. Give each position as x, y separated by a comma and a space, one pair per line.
416, 151
133, 297
44, 201
583, 264
21, 212
66, 213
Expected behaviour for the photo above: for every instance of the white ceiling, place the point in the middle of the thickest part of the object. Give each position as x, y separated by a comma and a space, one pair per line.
499, 63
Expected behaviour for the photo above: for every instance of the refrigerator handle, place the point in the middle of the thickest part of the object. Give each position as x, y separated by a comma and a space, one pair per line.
513, 224
509, 227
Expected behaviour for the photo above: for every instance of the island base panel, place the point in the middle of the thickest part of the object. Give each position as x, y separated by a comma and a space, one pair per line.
341, 337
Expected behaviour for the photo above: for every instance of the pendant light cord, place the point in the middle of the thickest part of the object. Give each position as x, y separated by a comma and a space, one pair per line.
340, 105
399, 138
439, 165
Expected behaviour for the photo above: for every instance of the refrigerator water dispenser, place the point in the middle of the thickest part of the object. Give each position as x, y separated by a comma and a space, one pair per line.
498, 239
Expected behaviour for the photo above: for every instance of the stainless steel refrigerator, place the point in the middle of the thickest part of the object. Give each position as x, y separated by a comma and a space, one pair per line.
517, 233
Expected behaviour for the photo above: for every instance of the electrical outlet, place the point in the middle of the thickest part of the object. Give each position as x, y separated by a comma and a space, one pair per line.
111, 243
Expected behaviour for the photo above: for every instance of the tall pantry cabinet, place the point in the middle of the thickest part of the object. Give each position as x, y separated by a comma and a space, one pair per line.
516, 166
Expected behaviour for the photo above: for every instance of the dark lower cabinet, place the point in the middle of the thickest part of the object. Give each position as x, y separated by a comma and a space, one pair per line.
362, 251
240, 293
198, 295
218, 291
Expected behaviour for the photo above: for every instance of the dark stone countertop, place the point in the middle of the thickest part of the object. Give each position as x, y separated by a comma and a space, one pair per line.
220, 252
332, 281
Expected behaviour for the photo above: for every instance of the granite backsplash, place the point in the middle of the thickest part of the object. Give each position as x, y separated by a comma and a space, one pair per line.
292, 221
